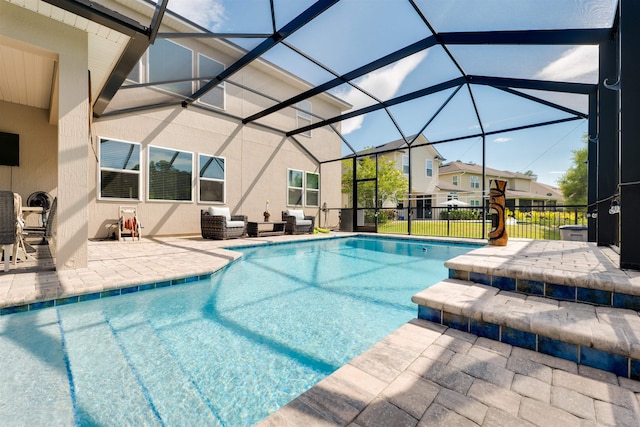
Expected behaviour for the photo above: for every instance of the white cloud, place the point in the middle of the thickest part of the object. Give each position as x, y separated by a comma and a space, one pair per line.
501, 140
207, 13
577, 64
383, 83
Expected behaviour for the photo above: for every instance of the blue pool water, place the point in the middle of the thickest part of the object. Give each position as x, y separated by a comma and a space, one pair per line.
225, 351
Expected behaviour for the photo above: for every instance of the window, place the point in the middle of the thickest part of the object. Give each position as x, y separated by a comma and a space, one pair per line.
405, 164
170, 61
312, 189
211, 178
474, 203
303, 188
294, 187
208, 67
429, 168
454, 180
304, 116
119, 170
170, 174
474, 181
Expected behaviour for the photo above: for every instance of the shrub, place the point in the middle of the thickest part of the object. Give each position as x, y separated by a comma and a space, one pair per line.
460, 214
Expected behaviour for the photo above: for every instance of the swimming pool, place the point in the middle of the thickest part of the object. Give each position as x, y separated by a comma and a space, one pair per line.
225, 351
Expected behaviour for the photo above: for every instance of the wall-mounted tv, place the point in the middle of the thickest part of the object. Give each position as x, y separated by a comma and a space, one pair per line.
9, 149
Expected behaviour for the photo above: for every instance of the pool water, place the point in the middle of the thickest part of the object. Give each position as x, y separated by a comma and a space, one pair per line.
226, 351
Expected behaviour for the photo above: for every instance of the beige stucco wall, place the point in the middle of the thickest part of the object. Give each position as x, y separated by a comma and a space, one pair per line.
70, 239
61, 160
38, 170
520, 184
256, 162
420, 182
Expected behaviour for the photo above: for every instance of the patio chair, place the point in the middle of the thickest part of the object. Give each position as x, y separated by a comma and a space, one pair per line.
7, 225
19, 248
52, 220
297, 222
218, 223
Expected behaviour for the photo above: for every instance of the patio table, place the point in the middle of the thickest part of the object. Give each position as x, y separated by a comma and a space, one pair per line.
262, 228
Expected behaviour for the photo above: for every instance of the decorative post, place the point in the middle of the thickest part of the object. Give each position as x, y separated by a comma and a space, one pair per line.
497, 202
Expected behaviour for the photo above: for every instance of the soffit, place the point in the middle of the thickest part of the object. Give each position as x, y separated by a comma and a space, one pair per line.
29, 73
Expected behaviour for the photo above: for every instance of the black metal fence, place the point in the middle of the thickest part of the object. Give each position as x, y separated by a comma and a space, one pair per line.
530, 222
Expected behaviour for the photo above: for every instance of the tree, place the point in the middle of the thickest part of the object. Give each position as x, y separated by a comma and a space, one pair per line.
391, 182
530, 173
573, 183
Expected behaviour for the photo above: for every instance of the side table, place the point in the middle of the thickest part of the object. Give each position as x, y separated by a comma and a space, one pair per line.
261, 228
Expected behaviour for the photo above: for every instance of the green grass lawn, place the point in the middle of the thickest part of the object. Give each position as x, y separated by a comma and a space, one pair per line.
469, 229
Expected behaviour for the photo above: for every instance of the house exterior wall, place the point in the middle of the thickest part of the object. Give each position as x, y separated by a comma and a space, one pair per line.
256, 159
69, 148
63, 159
38, 170
420, 182
256, 162
520, 184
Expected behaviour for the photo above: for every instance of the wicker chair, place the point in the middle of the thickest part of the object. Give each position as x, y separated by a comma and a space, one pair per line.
297, 222
7, 225
219, 224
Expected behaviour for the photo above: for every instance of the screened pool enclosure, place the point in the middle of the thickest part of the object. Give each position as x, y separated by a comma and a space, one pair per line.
509, 86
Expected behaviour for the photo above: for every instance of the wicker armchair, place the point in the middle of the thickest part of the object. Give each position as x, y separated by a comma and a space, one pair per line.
297, 222
219, 224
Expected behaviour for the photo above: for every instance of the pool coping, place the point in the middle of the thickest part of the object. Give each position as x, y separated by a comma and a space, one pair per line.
225, 247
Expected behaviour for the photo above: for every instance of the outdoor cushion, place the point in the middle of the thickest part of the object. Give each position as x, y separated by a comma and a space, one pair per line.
298, 214
220, 211
235, 223
303, 222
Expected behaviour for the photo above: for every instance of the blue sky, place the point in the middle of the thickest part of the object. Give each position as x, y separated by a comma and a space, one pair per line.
364, 30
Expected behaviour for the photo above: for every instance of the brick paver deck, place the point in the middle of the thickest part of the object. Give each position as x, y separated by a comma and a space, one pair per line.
428, 375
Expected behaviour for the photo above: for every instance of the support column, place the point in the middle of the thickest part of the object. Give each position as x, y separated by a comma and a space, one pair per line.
73, 152
410, 193
607, 145
630, 134
592, 166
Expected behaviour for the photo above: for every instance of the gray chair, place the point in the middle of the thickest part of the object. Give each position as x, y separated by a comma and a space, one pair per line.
219, 224
297, 222
7, 225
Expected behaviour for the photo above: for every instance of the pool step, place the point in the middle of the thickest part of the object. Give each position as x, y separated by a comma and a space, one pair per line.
606, 338
567, 271
133, 353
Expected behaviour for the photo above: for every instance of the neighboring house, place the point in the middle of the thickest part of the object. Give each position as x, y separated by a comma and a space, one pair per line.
169, 162
463, 181
433, 184
423, 162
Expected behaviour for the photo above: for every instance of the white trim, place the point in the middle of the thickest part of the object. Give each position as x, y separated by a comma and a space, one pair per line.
304, 183
302, 113
161, 87
301, 188
221, 85
224, 181
471, 181
148, 195
100, 169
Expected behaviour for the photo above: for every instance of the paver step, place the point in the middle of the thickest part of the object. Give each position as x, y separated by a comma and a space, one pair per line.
568, 271
606, 338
